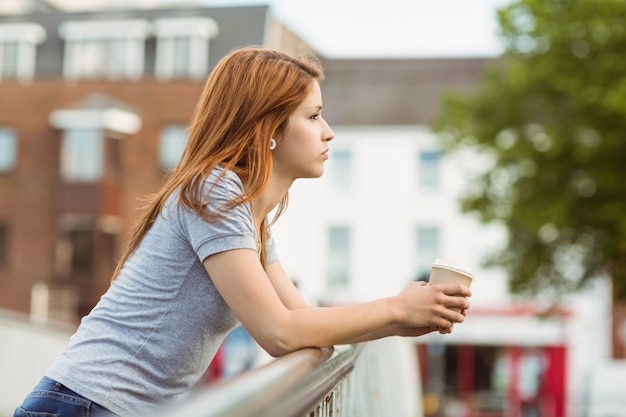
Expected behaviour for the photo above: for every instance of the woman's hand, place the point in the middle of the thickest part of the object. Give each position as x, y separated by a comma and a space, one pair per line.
414, 331
431, 307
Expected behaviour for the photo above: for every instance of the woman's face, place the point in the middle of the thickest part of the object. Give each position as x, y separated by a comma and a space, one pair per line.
302, 147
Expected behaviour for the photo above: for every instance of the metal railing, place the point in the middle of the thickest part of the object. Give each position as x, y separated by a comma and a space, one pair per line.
303, 383
371, 379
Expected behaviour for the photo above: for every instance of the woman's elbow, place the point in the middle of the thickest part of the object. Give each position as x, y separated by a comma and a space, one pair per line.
276, 346
280, 341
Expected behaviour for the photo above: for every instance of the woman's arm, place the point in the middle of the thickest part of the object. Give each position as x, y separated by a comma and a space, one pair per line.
247, 289
292, 299
285, 288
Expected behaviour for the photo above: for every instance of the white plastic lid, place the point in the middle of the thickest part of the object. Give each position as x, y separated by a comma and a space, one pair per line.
442, 263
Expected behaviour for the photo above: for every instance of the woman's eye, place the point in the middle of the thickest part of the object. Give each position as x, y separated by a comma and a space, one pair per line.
315, 116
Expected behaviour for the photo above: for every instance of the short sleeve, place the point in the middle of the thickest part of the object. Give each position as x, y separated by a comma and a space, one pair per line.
233, 230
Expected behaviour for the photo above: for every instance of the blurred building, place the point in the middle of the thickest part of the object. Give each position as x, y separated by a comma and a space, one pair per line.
93, 109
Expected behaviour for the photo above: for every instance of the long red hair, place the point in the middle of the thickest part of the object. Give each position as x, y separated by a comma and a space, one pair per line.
247, 98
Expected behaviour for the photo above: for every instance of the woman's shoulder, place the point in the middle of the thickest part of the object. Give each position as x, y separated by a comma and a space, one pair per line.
223, 178
217, 187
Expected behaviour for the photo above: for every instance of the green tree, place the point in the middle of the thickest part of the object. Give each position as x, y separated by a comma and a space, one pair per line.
550, 114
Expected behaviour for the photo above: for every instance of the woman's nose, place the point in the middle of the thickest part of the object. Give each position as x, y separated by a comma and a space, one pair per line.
329, 134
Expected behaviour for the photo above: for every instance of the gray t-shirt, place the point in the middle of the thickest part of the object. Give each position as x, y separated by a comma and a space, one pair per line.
155, 331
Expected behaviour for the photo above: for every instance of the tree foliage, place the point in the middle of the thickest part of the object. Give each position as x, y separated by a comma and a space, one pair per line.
551, 115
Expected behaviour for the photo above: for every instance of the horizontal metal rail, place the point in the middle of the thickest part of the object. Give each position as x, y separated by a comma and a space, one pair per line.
294, 385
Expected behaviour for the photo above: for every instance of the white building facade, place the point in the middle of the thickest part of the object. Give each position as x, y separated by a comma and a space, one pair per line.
384, 210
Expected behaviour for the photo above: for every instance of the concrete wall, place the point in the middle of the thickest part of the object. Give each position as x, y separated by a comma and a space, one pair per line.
26, 351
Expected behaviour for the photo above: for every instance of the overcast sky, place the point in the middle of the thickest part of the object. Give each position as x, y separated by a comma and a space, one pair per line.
391, 28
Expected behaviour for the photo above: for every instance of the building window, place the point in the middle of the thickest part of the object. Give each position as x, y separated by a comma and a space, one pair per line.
8, 149
8, 60
341, 170
4, 244
338, 257
18, 50
82, 245
108, 245
92, 132
182, 49
172, 141
429, 169
76, 248
428, 247
108, 230
114, 156
110, 49
82, 158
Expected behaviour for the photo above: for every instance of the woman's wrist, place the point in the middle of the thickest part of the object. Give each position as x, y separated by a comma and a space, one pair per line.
397, 315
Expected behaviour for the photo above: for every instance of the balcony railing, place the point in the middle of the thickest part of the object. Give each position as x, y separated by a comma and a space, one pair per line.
372, 379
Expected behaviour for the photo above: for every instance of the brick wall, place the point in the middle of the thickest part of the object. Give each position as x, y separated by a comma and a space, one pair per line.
31, 195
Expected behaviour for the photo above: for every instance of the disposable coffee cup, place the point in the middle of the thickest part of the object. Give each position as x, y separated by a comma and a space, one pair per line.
445, 272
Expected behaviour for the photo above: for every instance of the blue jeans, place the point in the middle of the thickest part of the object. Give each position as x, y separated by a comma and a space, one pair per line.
52, 399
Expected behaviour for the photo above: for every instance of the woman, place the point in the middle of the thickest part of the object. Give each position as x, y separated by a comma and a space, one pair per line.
201, 258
